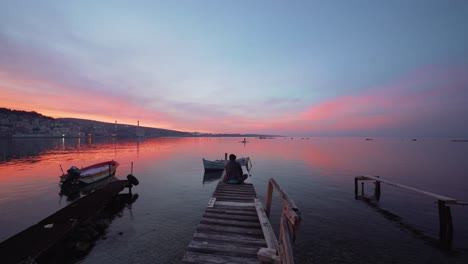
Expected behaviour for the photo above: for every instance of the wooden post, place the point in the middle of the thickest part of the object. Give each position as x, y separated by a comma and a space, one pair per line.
377, 190
268, 232
356, 188
225, 156
449, 226
290, 220
442, 221
445, 215
286, 251
362, 189
268, 198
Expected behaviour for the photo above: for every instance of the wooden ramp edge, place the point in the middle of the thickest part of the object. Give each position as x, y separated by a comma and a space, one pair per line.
230, 230
40, 239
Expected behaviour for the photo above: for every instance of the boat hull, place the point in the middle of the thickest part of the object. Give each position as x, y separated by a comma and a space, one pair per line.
95, 172
214, 165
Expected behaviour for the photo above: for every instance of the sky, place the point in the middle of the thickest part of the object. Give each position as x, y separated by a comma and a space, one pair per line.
296, 68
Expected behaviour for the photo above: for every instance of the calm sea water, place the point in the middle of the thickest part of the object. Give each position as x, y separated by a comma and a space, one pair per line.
318, 173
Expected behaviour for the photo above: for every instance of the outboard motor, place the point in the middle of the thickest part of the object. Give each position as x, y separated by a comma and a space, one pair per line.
132, 179
73, 175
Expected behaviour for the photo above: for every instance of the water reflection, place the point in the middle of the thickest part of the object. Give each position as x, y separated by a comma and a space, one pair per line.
210, 176
81, 240
21, 148
75, 191
318, 173
405, 226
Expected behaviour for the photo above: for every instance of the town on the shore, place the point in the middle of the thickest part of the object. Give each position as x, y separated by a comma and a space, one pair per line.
30, 124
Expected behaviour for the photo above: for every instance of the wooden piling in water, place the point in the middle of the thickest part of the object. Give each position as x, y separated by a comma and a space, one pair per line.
445, 215
377, 190
356, 187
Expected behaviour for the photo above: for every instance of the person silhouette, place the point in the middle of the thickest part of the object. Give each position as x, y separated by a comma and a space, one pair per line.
234, 173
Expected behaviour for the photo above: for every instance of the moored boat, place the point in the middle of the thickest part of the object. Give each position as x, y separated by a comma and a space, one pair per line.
219, 164
91, 173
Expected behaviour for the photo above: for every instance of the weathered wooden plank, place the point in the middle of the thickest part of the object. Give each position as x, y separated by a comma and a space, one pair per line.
231, 223
250, 191
436, 196
235, 186
220, 207
200, 258
286, 251
236, 189
245, 218
234, 197
268, 198
219, 229
227, 189
283, 194
268, 255
291, 215
230, 238
246, 211
267, 230
233, 208
240, 200
211, 202
223, 249
234, 228
221, 192
234, 204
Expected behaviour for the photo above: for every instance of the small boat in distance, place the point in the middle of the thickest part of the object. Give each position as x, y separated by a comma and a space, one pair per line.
89, 174
213, 165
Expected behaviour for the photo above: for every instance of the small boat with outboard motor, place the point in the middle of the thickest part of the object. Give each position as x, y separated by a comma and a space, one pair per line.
214, 165
89, 174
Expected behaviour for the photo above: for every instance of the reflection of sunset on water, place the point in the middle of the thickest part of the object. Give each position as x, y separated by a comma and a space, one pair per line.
317, 172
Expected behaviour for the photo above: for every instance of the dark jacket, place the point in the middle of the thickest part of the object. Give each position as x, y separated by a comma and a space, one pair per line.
233, 170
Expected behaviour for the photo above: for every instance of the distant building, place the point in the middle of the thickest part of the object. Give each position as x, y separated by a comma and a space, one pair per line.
140, 131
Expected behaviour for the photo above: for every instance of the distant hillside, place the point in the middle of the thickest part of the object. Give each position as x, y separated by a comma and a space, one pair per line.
5, 112
122, 130
18, 123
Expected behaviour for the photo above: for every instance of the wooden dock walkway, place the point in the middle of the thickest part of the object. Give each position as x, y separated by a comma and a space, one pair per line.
235, 229
46, 241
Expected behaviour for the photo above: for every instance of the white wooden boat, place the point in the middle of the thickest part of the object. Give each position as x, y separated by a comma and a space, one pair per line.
219, 164
91, 173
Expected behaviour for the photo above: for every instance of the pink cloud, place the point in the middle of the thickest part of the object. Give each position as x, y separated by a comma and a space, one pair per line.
426, 95
57, 100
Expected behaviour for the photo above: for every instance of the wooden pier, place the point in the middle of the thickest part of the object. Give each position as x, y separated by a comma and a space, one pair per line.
48, 240
235, 228
445, 215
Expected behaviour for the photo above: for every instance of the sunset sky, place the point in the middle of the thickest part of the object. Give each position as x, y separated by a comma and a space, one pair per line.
298, 68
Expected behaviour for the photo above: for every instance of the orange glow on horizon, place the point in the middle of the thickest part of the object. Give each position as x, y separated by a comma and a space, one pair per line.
401, 103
